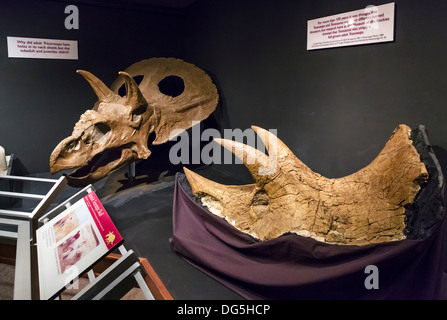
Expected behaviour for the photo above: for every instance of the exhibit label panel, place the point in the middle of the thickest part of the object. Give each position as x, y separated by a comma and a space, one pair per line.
373, 24
72, 242
36, 48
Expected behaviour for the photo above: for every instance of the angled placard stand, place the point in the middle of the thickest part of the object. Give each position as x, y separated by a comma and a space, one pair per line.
54, 248
72, 242
75, 235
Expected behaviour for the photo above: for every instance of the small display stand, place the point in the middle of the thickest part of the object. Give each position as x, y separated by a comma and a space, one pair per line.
53, 249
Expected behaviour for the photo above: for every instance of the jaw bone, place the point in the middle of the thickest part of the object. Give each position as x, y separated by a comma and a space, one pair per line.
365, 207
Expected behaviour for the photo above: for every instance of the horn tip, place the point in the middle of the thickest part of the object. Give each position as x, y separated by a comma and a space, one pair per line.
190, 175
257, 129
123, 73
194, 179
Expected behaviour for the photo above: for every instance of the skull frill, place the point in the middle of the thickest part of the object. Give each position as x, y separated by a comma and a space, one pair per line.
115, 131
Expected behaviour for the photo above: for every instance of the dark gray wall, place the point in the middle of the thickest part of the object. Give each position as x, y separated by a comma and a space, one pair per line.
334, 108
41, 100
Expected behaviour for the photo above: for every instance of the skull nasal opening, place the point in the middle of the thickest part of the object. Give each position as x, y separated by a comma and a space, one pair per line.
172, 86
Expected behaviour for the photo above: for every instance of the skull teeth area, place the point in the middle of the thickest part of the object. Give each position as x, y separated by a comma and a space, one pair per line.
112, 158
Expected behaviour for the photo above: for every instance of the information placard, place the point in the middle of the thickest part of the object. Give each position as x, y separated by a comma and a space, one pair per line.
36, 48
72, 242
370, 25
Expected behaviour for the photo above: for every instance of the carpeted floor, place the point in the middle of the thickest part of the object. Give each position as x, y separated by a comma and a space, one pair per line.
6, 282
143, 216
7, 286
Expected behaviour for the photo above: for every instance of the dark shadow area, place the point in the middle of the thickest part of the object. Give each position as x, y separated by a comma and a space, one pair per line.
441, 155
158, 163
149, 170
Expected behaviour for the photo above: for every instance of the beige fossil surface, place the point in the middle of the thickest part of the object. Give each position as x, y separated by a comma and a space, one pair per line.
362, 208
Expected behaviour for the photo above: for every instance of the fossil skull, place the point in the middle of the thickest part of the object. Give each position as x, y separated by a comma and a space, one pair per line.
115, 131
365, 207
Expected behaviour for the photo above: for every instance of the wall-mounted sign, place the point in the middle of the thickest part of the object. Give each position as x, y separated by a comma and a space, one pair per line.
370, 25
35, 48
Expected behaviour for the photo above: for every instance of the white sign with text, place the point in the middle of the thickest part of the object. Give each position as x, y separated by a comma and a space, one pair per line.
36, 48
370, 25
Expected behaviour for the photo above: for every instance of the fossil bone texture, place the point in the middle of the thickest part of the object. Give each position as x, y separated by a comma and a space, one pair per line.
365, 207
115, 131
3, 164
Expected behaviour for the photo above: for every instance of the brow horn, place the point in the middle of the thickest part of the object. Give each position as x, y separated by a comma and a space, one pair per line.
252, 158
134, 97
102, 91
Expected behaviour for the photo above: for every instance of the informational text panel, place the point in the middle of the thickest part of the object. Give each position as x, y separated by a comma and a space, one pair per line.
36, 48
370, 25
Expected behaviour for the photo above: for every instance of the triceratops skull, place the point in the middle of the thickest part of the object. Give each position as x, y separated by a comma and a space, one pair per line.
365, 207
115, 131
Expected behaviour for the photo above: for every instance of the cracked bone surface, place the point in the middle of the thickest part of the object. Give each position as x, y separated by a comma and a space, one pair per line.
115, 131
365, 207
3, 163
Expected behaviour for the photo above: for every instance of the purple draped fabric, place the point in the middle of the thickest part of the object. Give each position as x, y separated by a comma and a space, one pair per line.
295, 267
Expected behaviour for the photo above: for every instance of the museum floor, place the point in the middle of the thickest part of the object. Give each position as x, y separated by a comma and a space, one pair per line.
143, 215
7, 286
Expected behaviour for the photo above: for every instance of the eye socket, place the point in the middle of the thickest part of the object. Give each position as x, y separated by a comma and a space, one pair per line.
100, 129
172, 86
260, 205
261, 198
136, 114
